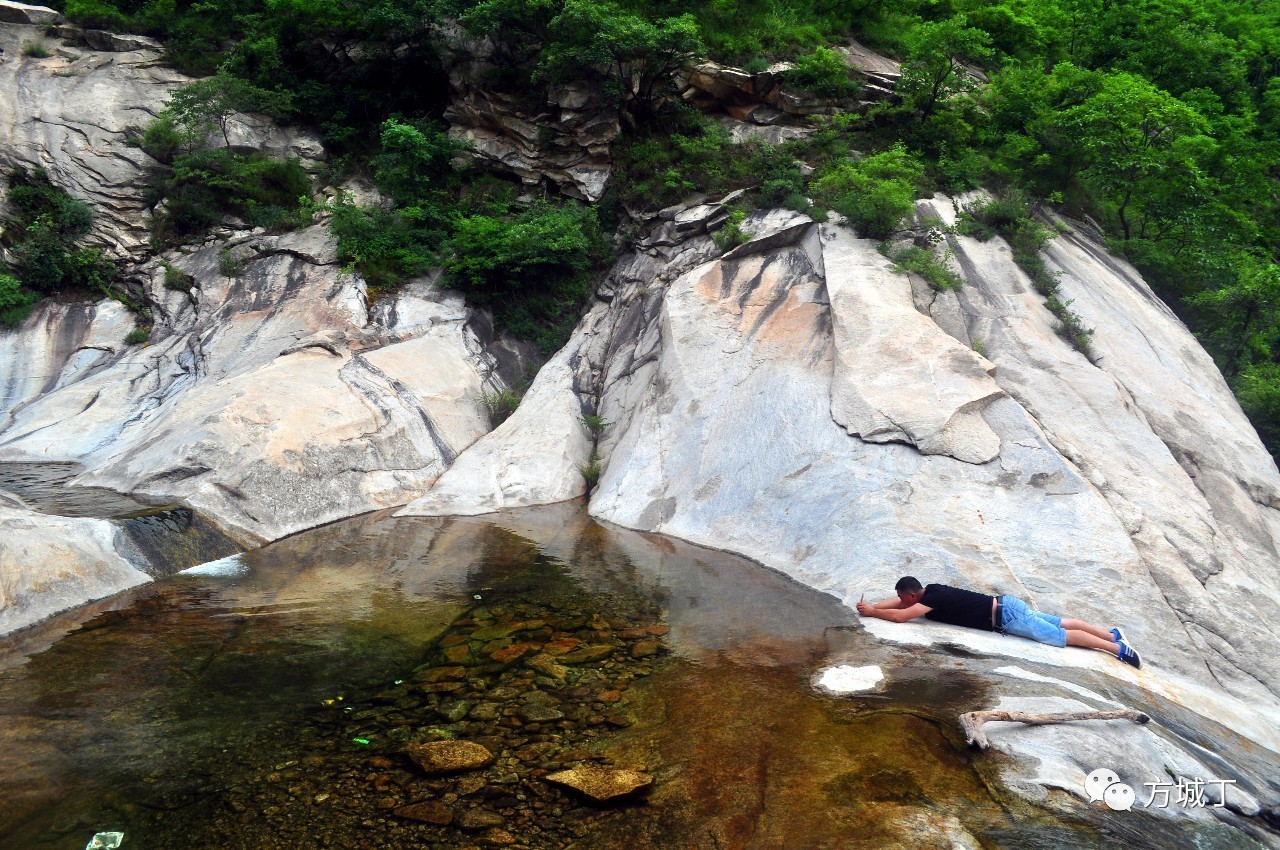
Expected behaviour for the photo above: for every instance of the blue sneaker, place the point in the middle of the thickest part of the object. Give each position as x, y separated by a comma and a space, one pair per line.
1129, 656
1117, 635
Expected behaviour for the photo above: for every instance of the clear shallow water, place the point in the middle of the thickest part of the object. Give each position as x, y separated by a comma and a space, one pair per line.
269, 705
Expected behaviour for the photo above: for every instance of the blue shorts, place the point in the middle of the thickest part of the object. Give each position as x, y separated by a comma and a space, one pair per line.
1019, 619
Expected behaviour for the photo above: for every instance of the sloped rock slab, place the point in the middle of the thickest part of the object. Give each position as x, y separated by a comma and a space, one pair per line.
21, 13
601, 783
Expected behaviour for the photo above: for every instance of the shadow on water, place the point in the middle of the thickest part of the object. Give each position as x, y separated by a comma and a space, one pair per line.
268, 701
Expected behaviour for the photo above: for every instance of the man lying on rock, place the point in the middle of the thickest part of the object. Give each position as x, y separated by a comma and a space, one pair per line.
1005, 614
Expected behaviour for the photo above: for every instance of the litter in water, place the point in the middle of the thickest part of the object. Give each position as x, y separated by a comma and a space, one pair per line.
105, 841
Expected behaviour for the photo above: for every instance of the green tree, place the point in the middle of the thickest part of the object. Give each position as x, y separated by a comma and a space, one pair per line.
1131, 133
639, 55
207, 105
1246, 313
934, 71
416, 160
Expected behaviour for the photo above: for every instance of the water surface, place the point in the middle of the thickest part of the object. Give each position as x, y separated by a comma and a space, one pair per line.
268, 702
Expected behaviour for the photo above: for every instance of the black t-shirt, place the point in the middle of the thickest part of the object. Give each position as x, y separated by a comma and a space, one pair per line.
957, 606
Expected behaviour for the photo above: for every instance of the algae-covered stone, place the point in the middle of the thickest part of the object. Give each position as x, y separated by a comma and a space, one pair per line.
450, 756
430, 811
600, 783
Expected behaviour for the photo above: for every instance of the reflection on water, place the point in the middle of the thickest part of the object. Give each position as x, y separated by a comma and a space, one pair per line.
268, 704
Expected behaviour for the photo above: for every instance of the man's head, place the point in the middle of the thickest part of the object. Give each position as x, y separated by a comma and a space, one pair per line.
909, 590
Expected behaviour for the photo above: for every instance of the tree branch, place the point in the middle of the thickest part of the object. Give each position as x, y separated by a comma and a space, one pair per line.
972, 721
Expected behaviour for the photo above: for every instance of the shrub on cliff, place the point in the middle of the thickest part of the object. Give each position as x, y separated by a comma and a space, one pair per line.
823, 73
42, 238
531, 269
875, 193
15, 302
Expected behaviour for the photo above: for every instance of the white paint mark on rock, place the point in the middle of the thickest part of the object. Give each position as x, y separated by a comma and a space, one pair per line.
845, 679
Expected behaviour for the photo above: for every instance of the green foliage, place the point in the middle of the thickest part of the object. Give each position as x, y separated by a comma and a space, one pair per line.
35, 49
980, 347
200, 108
638, 56
590, 471
203, 187
42, 238
822, 72
595, 424
137, 336
229, 265
731, 233
176, 279
386, 246
922, 261
1010, 217
16, 303
416, 160
933, 72
530, 269
501, 403
875, 193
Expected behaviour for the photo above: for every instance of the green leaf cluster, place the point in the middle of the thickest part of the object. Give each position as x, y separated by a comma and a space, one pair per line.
42, 237
875, 192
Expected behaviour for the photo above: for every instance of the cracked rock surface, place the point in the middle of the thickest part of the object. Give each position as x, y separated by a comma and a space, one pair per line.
78, 112
270, 402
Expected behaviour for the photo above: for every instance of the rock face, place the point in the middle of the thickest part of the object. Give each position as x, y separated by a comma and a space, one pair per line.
21, 13
269, 402
48, 564
76, 114
786, 401
562, 135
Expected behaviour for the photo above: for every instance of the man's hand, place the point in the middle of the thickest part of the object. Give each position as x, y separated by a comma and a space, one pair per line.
866, 609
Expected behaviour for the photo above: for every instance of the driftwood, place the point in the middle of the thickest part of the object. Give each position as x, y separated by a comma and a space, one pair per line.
973, 720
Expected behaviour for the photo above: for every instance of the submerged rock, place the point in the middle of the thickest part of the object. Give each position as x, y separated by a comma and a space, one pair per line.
600, 783
450, 756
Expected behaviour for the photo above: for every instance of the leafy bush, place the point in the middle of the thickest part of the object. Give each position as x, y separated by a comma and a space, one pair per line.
875, 193
923, 262
42, 235
502, 403
386, 246
822, 73
35, 49
137, 336
203, 187
731, 233
16, 303
530, 269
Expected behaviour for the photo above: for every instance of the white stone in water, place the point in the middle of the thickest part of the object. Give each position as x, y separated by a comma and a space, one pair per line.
845, 679
228, 567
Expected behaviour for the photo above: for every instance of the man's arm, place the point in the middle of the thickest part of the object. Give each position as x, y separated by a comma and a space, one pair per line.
898, 615
895, 602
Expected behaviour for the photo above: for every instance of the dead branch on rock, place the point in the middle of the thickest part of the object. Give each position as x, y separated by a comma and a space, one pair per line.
972, 721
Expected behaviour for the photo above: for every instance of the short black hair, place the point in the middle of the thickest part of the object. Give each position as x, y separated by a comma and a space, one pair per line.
908, 584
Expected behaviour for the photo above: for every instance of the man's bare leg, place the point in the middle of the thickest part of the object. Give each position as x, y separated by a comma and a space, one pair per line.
1079, 637
1081, 626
